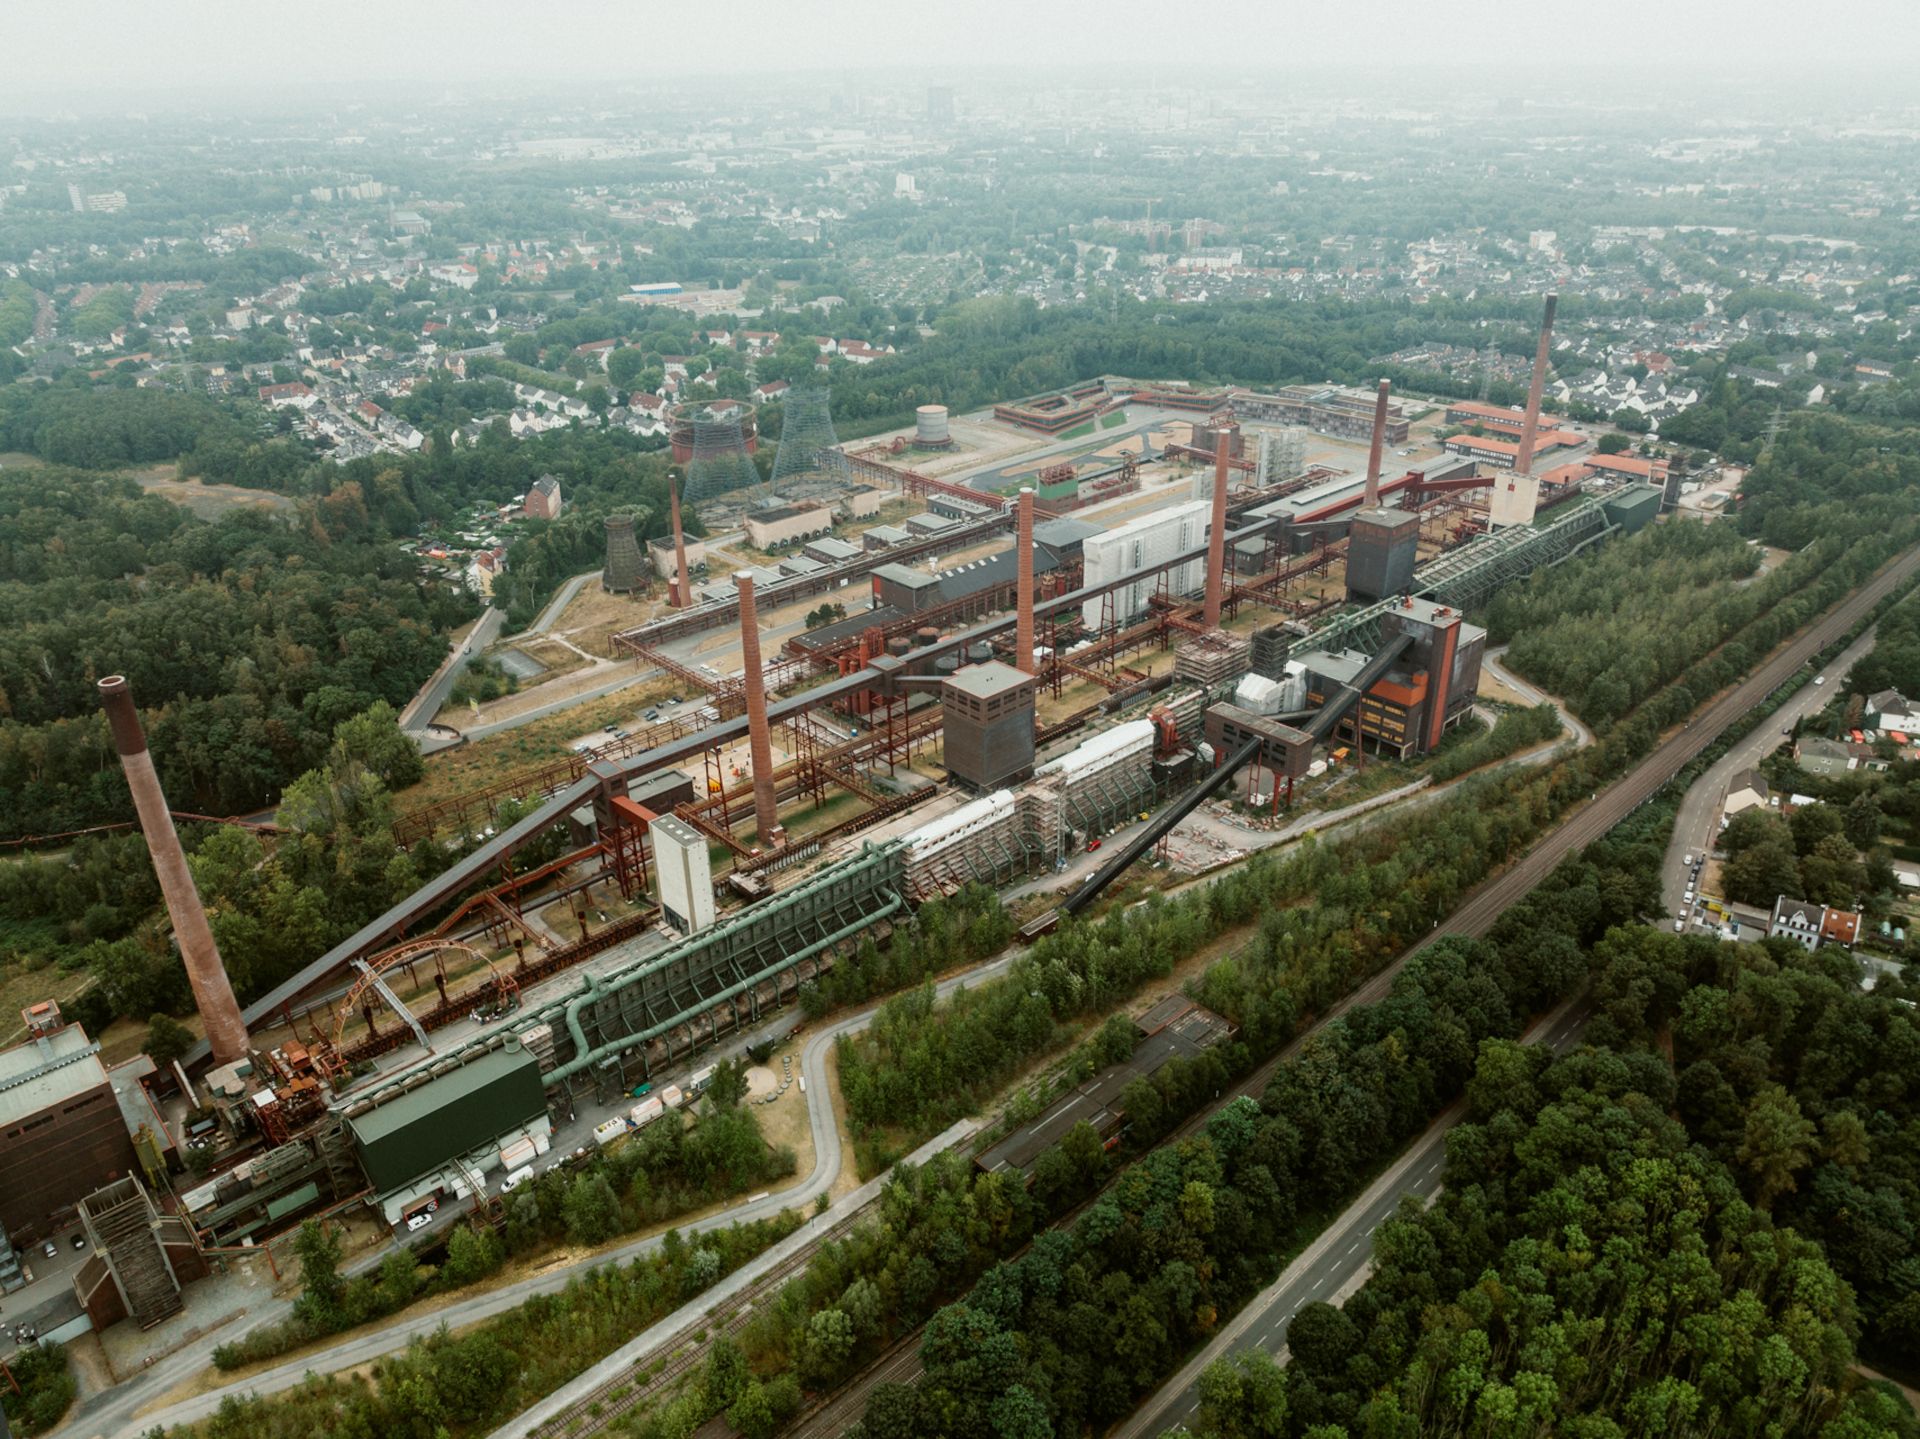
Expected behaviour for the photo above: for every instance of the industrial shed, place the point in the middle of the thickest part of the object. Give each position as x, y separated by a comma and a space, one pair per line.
450, 1116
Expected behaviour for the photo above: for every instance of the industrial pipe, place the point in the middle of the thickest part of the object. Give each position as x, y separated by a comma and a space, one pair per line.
1217, 531
1530, 424
585, 1057
766, 804
1023, 600
212, 990
1379, 440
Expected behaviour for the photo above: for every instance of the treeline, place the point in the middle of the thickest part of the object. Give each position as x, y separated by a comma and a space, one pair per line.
958, 929
105, 427
1069, 1335
445, 1385
1668, 608
1595, 1265
669, 1169
246, 640
1512, 732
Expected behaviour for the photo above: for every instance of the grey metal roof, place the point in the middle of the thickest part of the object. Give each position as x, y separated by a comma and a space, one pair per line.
47, 1070
990, 677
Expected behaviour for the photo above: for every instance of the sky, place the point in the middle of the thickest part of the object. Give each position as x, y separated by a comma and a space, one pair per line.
91, 54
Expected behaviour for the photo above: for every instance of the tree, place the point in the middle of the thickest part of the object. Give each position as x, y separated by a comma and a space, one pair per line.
829, 1344
726, 1374
1762, 874
1862, 822
1612, 444
729, 1086
167, 1040
1777, 1143
592, 1209
1812, 823
318, 1249
1322, 1338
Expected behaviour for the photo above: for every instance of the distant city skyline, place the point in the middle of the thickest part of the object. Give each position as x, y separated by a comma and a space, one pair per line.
96, 54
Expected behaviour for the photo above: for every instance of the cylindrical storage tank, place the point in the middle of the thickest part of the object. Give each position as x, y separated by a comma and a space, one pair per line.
946, 664
926, 635
899, 645
930, 425
979, 652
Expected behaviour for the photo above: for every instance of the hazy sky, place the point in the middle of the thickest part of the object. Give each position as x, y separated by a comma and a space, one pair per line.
93, 54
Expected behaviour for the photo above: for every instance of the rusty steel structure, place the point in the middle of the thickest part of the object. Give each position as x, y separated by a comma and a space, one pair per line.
865, 464
206, 973
372, 984
1023, 597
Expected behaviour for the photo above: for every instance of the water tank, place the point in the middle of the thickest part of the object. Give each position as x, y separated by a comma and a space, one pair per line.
946, 664
979, 652
899, 645
930, 425
926, 635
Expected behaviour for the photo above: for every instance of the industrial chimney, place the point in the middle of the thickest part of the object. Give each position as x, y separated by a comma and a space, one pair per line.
1379, 440
1024, 599
682, 595
766, 807
1530, 425
1217, 530
212, 992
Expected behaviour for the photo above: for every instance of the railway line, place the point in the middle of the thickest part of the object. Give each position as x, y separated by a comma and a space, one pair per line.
1477, 915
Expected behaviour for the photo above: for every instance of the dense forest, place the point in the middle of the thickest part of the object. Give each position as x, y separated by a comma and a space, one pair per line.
1689, 1226
246, 640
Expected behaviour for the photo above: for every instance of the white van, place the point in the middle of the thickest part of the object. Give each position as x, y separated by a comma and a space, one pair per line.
514, 1180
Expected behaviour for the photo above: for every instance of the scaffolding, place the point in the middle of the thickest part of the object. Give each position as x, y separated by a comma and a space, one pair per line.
809, 450
715, 441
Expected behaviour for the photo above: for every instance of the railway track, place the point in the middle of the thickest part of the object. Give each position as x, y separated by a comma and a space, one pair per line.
1472, 919
686, 1350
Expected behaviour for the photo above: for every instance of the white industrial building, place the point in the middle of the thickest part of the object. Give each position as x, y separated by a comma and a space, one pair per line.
1149, 540
685, 873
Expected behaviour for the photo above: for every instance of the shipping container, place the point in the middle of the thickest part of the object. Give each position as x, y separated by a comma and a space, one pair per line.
517, 1153
646, 1111
702, 1078
672, 1097
610, 1131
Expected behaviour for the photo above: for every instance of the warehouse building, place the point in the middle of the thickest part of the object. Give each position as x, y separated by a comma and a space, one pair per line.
1150, 540
62, 1135
449, 1132
783, 524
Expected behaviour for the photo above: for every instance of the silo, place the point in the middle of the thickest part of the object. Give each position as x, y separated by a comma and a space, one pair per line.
930, 427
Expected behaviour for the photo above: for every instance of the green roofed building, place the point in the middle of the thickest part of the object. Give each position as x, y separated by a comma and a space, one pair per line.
449, 1117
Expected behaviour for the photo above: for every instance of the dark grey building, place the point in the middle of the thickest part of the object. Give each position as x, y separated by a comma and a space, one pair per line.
1381, 549
988, 725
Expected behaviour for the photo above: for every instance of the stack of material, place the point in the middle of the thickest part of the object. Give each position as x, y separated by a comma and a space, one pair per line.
1213, 659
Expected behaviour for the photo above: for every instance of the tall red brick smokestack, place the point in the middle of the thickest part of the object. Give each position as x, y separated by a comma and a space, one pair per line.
1530, 426
1023, 595
1379, 440
682, 582
212, 991
766, 807
1217, 529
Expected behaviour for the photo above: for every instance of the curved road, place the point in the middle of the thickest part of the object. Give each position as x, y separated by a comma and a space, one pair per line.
1344, 1270
112, 1413
1491, 661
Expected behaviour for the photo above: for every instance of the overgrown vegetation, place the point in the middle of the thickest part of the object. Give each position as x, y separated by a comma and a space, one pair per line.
668, 1169
45, 1388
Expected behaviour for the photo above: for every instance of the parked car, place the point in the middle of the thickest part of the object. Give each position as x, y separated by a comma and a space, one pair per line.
50, 1250
420, 1220
79, 1241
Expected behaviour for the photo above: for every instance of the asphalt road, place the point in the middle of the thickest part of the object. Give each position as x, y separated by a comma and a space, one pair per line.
426, 704
1493, 661
1338, 1261
544, 621
1485, 905
113, 1412
1695, 830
